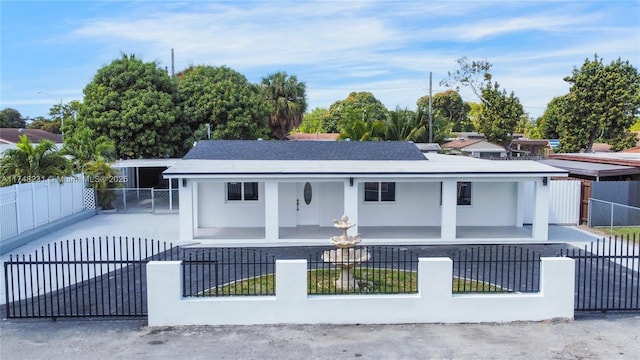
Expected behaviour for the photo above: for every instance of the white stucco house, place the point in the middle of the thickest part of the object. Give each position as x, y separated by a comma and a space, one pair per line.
236, 193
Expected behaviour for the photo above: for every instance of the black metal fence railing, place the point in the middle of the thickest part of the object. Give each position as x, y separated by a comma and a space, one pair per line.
496, 269
227, 272
387, 270
607, 275
82, 278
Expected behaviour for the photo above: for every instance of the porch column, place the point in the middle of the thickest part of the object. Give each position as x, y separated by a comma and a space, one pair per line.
271, 222
351, 203
187, 219
520, 203
540, 225
449, 210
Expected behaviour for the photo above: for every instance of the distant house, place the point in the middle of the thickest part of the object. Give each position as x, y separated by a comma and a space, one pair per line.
477, 148
9, 137
289, 192
529, 148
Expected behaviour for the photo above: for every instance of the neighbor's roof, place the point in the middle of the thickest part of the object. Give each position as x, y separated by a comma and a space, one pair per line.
617, 158
314, 137
304, 150
146, 163
592, 169
12, 135
476, 145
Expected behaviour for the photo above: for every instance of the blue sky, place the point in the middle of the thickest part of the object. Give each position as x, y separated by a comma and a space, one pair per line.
50, 50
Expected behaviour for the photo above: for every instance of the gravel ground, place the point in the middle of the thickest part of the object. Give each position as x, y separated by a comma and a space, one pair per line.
589, 337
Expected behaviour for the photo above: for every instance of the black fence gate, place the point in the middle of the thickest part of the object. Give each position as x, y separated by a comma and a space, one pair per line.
103, 277
607, 277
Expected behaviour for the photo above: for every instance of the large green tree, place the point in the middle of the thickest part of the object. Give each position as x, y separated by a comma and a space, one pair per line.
554, 114
357, 106
500, 115
224, 100
288, 102
28, 162
315, 121
11, 118
449, 104
602, 104
132, 103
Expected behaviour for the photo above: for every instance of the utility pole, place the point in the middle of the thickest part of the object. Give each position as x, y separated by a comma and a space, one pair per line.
172, 63
430, 112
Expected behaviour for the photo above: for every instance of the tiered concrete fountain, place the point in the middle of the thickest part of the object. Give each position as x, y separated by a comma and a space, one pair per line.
345, 257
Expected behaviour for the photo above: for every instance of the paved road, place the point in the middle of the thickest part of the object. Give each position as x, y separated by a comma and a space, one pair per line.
596, 337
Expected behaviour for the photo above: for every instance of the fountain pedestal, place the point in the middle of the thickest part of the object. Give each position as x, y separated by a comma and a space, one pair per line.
345, 257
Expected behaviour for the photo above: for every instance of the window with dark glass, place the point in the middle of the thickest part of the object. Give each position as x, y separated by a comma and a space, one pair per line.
379, 191
464, 193
238, 191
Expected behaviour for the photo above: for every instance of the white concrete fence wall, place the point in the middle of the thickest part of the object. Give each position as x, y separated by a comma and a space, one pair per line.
434, 302
26, 206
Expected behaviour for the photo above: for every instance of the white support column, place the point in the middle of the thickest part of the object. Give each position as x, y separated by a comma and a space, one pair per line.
271, 220
519, 203
449, 210
540, 226
187, 219
351, 202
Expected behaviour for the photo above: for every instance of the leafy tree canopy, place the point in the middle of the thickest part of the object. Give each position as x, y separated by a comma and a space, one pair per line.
132, 103
11, 118
288, 102
224, 99
500, 115
602, 104
52, 126
317, 121
357, 106
449, 105
441, 123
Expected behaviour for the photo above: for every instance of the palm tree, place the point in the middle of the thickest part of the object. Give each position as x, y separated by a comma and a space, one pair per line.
362, 130
84, 147
288, 102
29, 163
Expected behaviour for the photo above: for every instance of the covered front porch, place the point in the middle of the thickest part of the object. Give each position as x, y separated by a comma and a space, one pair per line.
417, 211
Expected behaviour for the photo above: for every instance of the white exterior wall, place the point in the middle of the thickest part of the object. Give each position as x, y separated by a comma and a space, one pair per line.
417, 204
434, 302
492, 204
215, 211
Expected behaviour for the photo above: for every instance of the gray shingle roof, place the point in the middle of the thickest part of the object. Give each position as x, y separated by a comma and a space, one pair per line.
304, 150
